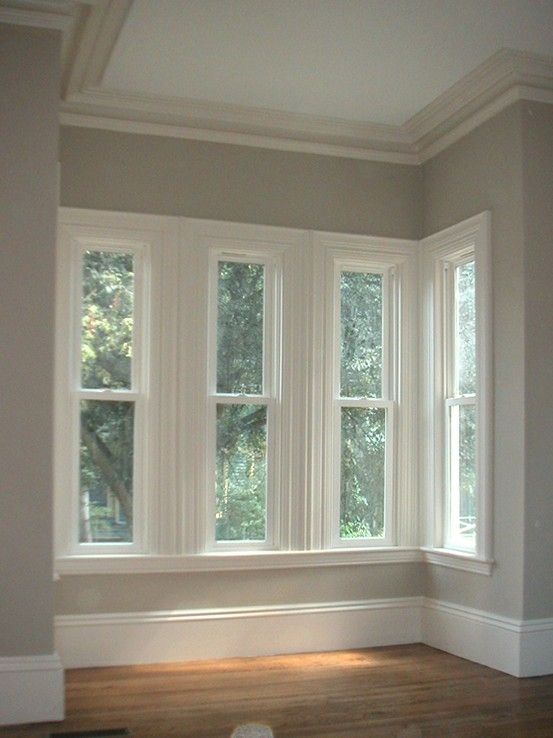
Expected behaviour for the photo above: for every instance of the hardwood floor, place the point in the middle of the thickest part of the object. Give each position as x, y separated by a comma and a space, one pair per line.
395, 692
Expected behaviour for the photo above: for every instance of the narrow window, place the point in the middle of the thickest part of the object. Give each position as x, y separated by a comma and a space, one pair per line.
456, 407
243, 401
461, 415
106, 397
363, 407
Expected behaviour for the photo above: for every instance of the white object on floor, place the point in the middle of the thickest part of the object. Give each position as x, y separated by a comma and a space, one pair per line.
252, 730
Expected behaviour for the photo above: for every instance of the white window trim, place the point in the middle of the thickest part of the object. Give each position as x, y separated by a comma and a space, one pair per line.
388, 256
151, 236
451, 246
173, 541
75, 242
201, 244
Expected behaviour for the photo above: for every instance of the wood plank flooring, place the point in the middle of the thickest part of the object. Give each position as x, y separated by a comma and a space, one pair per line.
395, 692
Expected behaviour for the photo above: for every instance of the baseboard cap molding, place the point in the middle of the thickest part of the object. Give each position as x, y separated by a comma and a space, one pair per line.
31, 689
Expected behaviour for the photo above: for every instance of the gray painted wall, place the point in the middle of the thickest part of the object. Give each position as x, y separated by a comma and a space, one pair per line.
483, 171
143, 592
29, 80
537, 122
169, 176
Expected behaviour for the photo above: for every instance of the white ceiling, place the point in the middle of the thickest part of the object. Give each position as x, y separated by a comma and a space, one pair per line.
378, 61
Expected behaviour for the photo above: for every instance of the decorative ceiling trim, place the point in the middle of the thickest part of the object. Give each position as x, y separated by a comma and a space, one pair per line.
92, 28
507, 76
99, 30
45, 14
240, 139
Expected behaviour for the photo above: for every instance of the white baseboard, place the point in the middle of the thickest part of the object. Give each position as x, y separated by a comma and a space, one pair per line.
521, 648
472, 634
154, 637
536, 648
31, 689
515, 647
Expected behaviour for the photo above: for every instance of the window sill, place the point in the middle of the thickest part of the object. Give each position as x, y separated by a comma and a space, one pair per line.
457, 560
232, 561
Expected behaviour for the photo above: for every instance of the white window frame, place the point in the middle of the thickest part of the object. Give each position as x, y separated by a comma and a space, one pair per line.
202, 245
75, 242
396, 260
440, 255
270, 396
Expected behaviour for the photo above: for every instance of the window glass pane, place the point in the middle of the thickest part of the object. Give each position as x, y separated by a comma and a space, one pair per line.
363, 473
241, 472
106, 472
463, 474
361, 334
465, 329
240, 328
107, 320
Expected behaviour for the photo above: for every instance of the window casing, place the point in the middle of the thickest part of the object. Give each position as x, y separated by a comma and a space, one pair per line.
384, 405
178, 389
104, 402
456, 316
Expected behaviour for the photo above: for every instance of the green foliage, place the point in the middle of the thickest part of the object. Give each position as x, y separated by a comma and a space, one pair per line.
106, 452
241, 472
107, 320
361, 334
241, 466
240, 328
363, 431
362, 472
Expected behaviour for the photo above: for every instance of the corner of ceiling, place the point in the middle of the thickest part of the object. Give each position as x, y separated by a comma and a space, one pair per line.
91, 29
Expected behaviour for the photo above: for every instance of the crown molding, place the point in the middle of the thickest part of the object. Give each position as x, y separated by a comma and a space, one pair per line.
238, 139
44, 14
99, 29
237, 125
507, 76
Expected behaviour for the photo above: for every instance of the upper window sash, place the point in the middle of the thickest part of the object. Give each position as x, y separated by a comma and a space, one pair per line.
136, 372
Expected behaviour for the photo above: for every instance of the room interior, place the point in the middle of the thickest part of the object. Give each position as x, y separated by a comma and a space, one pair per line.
405, 119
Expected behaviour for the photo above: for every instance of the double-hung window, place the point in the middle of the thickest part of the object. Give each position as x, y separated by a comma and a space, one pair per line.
457, 297
369, 393
103, 426
244, 400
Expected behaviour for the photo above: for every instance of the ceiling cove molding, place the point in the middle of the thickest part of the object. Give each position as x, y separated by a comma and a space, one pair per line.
45, 14
505, 77
125, 125
98, 32
92, 27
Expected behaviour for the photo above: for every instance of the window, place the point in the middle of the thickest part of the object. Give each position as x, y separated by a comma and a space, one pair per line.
457, 301
244, 403
106, 386
361, 404
238, 396
369, 392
